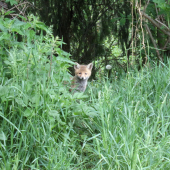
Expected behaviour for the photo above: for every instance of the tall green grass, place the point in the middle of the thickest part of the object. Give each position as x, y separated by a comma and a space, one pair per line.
133, 122
116, 124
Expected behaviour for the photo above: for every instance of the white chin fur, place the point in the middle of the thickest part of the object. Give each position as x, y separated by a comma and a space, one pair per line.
84, 78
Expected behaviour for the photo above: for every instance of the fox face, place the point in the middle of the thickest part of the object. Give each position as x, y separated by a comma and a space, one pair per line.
83, 71
82, 74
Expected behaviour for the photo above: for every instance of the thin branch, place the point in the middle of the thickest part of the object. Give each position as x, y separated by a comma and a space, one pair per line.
153, 41
146, 5
20, 5
51, 58
156, 9
132, 32
143, 38
158, 25
162, 24
168, 40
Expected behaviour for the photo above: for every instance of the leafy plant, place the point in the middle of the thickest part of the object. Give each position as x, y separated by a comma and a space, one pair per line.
36, 110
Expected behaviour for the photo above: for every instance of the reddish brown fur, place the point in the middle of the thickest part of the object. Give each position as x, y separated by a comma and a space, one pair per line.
82, 74
83, 69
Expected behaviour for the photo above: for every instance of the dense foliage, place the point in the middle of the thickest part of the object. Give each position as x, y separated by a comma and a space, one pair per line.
93, 30
36, 110
128, 25
84, 25
120, 122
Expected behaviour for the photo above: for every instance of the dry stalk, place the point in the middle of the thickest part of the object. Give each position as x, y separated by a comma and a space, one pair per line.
21, 7
132, 30
138, 6
168, 40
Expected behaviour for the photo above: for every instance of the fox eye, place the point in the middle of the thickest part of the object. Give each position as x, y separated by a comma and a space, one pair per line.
79, 73
85, 73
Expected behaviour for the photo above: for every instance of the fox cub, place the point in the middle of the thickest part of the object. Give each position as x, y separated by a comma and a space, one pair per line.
82, 74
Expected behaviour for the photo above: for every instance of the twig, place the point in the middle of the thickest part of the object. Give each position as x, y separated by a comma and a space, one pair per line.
51, 57
132, 32
143, 37
146, 6
158, 25
20, 5
162, 24
168, 40
156, 9
153, 41
25, 5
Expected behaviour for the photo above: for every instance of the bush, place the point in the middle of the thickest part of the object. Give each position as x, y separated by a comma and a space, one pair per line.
36, 110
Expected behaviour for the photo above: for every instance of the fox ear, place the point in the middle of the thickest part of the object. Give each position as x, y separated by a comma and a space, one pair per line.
77, 66
90, 66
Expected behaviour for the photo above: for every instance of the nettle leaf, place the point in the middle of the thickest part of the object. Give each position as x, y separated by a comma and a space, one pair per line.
2, 136
41, 25
56, 115
28, 113
114, 20
122, 21
8, 23
63, 59
2, 28
79, 95
66, 53
162, 4
159, 1
9, 12
17, 30
18, 23
12, 2
27, 25
7, 62
20, 101
22, 17
31, 34
3, 90
90, 111
4, 36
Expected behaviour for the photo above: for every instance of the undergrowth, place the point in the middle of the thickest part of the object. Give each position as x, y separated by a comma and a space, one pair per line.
117, 124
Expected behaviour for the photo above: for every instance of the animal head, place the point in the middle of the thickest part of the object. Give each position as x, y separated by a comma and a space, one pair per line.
83, 71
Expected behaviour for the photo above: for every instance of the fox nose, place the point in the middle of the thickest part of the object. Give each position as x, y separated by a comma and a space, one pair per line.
83, 77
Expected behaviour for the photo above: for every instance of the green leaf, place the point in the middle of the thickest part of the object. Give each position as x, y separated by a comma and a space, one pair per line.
54, 113
159, 1
28, 113
12, 2
7, 62
31, 34
9, 12
17, 30
19, 23
60, 58
41, 25
27, 25
4, 36
79, 95
122, 21
3, 90
2, 136
2, 28
22, 17
90, 111
20, 101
